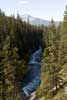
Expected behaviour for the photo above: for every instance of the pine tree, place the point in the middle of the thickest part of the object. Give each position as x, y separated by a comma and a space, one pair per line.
9, 63
50, 64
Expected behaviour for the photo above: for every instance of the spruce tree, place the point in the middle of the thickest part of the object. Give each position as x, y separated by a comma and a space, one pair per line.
9, 62
50, 64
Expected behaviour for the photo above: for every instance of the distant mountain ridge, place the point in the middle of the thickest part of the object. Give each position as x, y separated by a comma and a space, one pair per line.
36, 21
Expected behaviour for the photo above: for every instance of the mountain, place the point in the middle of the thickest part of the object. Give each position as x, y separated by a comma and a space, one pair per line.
35, 20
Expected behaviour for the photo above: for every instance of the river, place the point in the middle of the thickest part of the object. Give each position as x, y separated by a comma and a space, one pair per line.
33, 78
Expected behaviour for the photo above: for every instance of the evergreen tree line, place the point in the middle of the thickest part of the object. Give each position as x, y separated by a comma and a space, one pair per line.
54, 62
18, 40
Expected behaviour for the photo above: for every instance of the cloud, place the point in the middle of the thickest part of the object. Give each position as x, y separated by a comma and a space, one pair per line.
23, 2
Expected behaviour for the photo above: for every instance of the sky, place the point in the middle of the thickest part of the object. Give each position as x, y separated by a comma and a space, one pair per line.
46, 9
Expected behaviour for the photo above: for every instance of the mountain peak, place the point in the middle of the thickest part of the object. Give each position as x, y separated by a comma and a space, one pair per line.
27, 15
35, 20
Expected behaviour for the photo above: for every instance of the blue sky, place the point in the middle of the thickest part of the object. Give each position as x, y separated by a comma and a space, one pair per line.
45, 9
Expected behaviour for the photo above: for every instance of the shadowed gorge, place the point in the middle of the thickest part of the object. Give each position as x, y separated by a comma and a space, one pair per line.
18, 41
33, 77
33, 59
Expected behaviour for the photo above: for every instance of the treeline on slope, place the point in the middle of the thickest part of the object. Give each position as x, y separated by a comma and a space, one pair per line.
17, 42
54, 62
